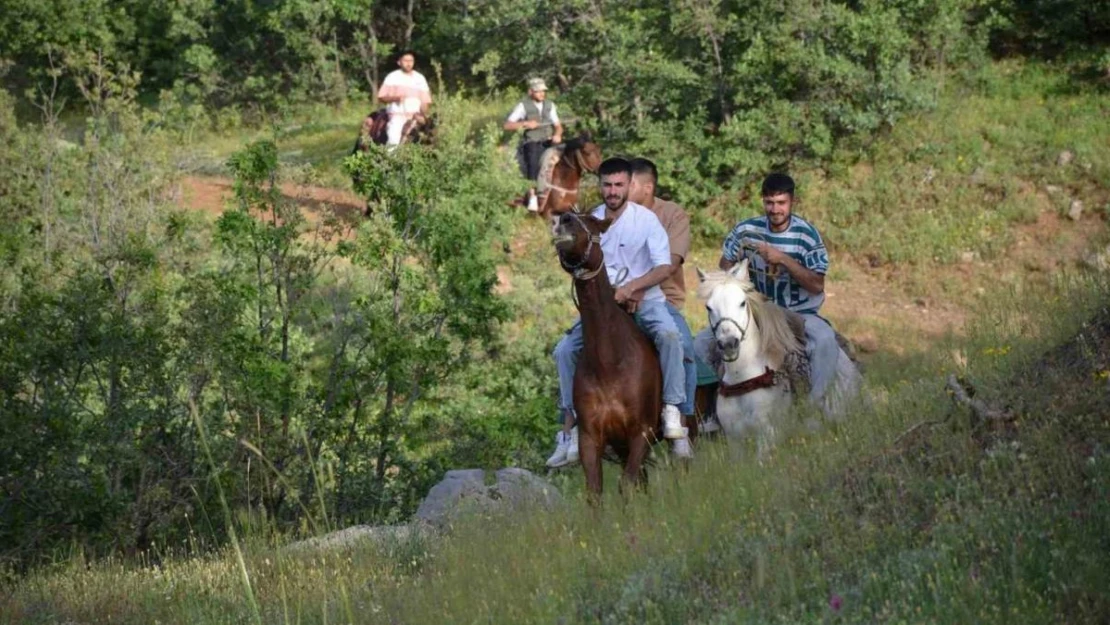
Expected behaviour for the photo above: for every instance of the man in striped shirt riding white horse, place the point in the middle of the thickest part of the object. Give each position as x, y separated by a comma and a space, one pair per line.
787, 263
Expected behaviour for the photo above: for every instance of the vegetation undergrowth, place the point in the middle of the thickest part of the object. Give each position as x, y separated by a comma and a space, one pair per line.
907, 511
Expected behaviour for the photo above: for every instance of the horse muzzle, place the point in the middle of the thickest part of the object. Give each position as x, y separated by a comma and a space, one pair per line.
729, 348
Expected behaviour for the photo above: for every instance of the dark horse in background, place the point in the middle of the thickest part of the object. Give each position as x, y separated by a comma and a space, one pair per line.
618, 384
419, 129
562, 168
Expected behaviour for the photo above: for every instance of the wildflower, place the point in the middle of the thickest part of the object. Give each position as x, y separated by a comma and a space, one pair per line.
835, 602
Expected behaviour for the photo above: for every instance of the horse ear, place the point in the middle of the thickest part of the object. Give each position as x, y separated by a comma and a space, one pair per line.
701, 274
603, 224
740, 270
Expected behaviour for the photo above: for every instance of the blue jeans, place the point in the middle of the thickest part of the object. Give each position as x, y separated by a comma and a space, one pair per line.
659, 324
689, 366
823, 352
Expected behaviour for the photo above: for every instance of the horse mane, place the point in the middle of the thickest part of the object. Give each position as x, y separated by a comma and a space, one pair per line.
774, 330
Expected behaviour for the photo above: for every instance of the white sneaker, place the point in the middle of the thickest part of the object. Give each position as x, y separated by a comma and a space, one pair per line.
562, 444
572, 446
682, 449
672, 422
709, 425
533, 203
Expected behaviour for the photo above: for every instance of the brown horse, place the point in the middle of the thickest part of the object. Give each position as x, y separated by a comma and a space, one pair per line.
618, 383
562, 172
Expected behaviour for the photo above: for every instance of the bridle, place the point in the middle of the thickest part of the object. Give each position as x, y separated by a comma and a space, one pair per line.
577, 269
743, 329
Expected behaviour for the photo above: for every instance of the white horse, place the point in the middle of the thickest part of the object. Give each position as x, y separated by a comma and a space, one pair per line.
754, 338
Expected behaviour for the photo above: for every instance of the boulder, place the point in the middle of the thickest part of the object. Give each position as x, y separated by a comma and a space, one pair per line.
350, 537
456, 489
467, 490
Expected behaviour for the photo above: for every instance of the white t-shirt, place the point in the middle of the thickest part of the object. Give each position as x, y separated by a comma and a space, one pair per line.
413, 88
637, 242
518, 114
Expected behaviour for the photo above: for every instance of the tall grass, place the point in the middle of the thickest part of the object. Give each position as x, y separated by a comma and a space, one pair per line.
858, 522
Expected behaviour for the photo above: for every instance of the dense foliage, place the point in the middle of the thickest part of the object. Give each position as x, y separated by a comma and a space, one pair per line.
745, 84
136, 336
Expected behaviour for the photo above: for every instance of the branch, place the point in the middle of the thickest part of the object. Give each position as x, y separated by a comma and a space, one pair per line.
980, 410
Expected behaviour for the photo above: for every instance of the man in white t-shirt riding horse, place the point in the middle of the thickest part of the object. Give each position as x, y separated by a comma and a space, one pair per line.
637, 259
407, 95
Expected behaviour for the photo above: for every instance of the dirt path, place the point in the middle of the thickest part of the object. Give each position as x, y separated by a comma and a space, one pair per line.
213, 196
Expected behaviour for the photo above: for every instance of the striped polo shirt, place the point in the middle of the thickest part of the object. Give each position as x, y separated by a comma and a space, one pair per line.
800, 241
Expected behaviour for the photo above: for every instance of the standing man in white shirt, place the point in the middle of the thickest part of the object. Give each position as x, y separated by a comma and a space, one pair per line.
637, 251
407, 95
535, 115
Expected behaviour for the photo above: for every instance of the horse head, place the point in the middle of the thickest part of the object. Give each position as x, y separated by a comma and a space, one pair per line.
738, 313
727, 296
583, 153
577, 239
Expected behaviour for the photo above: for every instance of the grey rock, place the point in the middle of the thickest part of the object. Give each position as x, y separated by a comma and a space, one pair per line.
1075, 210
466, 490
967, 256
516, 487
1065, 158
458, 488
355, 535
1052, 189
1099, 261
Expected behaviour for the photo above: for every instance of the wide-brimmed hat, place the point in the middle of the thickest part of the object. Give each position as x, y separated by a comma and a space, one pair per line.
537, 84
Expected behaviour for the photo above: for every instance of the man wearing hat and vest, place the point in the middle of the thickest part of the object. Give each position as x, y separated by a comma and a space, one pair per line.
537, 117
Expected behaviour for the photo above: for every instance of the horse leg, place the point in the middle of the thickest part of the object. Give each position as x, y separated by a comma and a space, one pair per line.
589, 454
634, 472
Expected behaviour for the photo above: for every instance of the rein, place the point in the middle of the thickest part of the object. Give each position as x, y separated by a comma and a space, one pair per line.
772, 271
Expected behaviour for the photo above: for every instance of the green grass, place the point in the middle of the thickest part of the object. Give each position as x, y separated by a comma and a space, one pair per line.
322, 138
940, 525
957, 178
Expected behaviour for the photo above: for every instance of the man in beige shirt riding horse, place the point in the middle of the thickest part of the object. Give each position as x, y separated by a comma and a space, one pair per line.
645, 180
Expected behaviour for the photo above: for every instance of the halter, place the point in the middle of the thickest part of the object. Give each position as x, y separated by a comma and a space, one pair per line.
576, 268
743, 330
